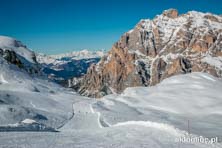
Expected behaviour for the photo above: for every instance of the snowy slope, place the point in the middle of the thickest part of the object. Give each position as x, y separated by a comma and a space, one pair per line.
128, 136
195, 97
23, 96
140, 117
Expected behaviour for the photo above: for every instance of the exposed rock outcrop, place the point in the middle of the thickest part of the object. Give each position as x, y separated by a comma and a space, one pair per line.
168, 45
171, 13
11, 57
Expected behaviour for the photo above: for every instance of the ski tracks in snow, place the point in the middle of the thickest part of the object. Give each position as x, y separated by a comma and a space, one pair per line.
2, 79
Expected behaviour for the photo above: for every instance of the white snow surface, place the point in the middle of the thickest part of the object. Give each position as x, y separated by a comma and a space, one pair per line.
140, 117
28, 121
2, 79
27, 97
214, 61
193, 97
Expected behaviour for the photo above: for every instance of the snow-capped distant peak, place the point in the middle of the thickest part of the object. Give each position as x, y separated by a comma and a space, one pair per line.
75, 55
82, 54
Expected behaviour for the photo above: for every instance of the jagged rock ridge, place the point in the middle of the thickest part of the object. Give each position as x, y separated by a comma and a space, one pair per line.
168, 45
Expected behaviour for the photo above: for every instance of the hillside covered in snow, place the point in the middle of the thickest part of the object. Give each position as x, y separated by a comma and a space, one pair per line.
140, 117
29, 101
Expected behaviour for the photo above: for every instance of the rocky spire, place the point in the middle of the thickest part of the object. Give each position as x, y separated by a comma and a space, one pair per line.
171, 13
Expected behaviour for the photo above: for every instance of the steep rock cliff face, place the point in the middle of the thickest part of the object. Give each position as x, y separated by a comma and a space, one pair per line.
168, 45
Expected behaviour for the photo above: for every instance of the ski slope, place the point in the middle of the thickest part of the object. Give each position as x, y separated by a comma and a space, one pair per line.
140, 117
193, 97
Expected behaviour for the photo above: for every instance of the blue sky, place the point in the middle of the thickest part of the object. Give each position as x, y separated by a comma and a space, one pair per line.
58, 26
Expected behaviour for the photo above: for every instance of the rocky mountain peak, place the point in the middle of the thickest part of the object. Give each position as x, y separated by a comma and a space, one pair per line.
171, 13
153, 50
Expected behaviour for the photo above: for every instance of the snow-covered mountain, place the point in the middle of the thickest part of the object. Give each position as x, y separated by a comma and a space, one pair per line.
8, 43
63, 67
16, 53
75, 55
154, 50
28, 101
23, 96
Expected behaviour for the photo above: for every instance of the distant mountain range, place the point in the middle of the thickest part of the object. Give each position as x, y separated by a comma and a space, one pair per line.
62, 67
75, 55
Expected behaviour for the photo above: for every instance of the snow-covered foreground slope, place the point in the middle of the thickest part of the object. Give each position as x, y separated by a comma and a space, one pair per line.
153, 117
194, 98
23, 96
129, 136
